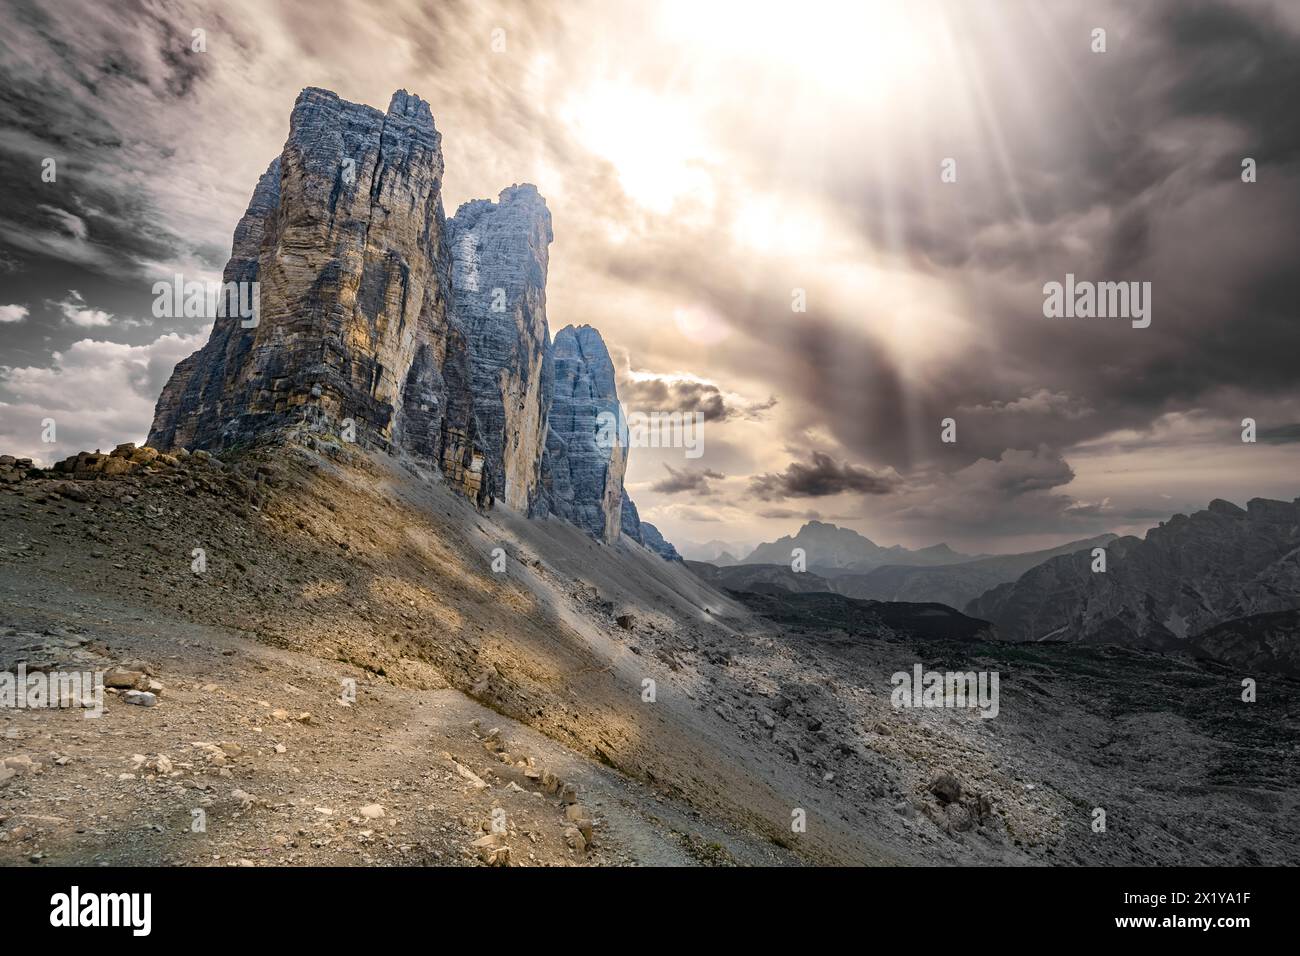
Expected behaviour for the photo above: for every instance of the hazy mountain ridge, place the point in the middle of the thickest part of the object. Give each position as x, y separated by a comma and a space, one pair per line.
830, 549
954, 584
1185, 578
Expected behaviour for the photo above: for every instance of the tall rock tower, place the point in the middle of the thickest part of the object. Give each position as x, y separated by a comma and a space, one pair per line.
381, 320
499, 259
347, 238
582, 476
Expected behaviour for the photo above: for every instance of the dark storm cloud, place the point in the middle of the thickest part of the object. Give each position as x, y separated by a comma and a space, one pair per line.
1012, 494
679, 481
686, 395
67, 95
1124, 166
818, 478
787, 513
1237, 63
1280, 434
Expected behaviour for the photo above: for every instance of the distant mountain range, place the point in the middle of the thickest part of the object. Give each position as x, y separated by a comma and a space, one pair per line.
831, 550
721, 553
1179, 587
1223, 583
954, 584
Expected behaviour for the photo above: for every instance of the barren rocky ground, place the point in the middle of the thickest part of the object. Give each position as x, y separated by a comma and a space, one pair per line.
325, 565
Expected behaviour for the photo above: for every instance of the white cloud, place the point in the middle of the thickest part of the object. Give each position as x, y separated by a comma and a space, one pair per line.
13, 313
98, 393
76, 311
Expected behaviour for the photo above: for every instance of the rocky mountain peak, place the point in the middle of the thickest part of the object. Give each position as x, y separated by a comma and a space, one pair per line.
410, 107
1184, 578
383, 322
499, 260
582, 478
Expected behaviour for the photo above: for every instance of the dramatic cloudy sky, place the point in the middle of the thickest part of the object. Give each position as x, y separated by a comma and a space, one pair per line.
703, 160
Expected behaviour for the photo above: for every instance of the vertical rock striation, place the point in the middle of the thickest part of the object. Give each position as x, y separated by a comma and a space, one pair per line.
582, 475
189, 410
499, 260
428, 335
347, 238
630, 520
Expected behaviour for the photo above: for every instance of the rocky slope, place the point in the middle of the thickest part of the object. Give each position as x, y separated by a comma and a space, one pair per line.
1183, 579
1267, 643
329, 564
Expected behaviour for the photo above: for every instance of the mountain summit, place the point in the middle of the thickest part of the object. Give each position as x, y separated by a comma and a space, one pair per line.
383, 322
830, 549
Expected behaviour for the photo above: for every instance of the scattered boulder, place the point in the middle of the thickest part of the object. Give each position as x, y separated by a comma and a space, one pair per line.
123, 679
160, 764
70, 490
946, 788
581, 818
478, 782
574, 838
13, 470
20, 765
959, 818
492, 849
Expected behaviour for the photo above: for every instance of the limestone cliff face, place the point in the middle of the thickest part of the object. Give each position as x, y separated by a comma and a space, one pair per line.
655, 541
499, 260
582, 473
630, 520
191, 402
380, 319
347, 237
644, 533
